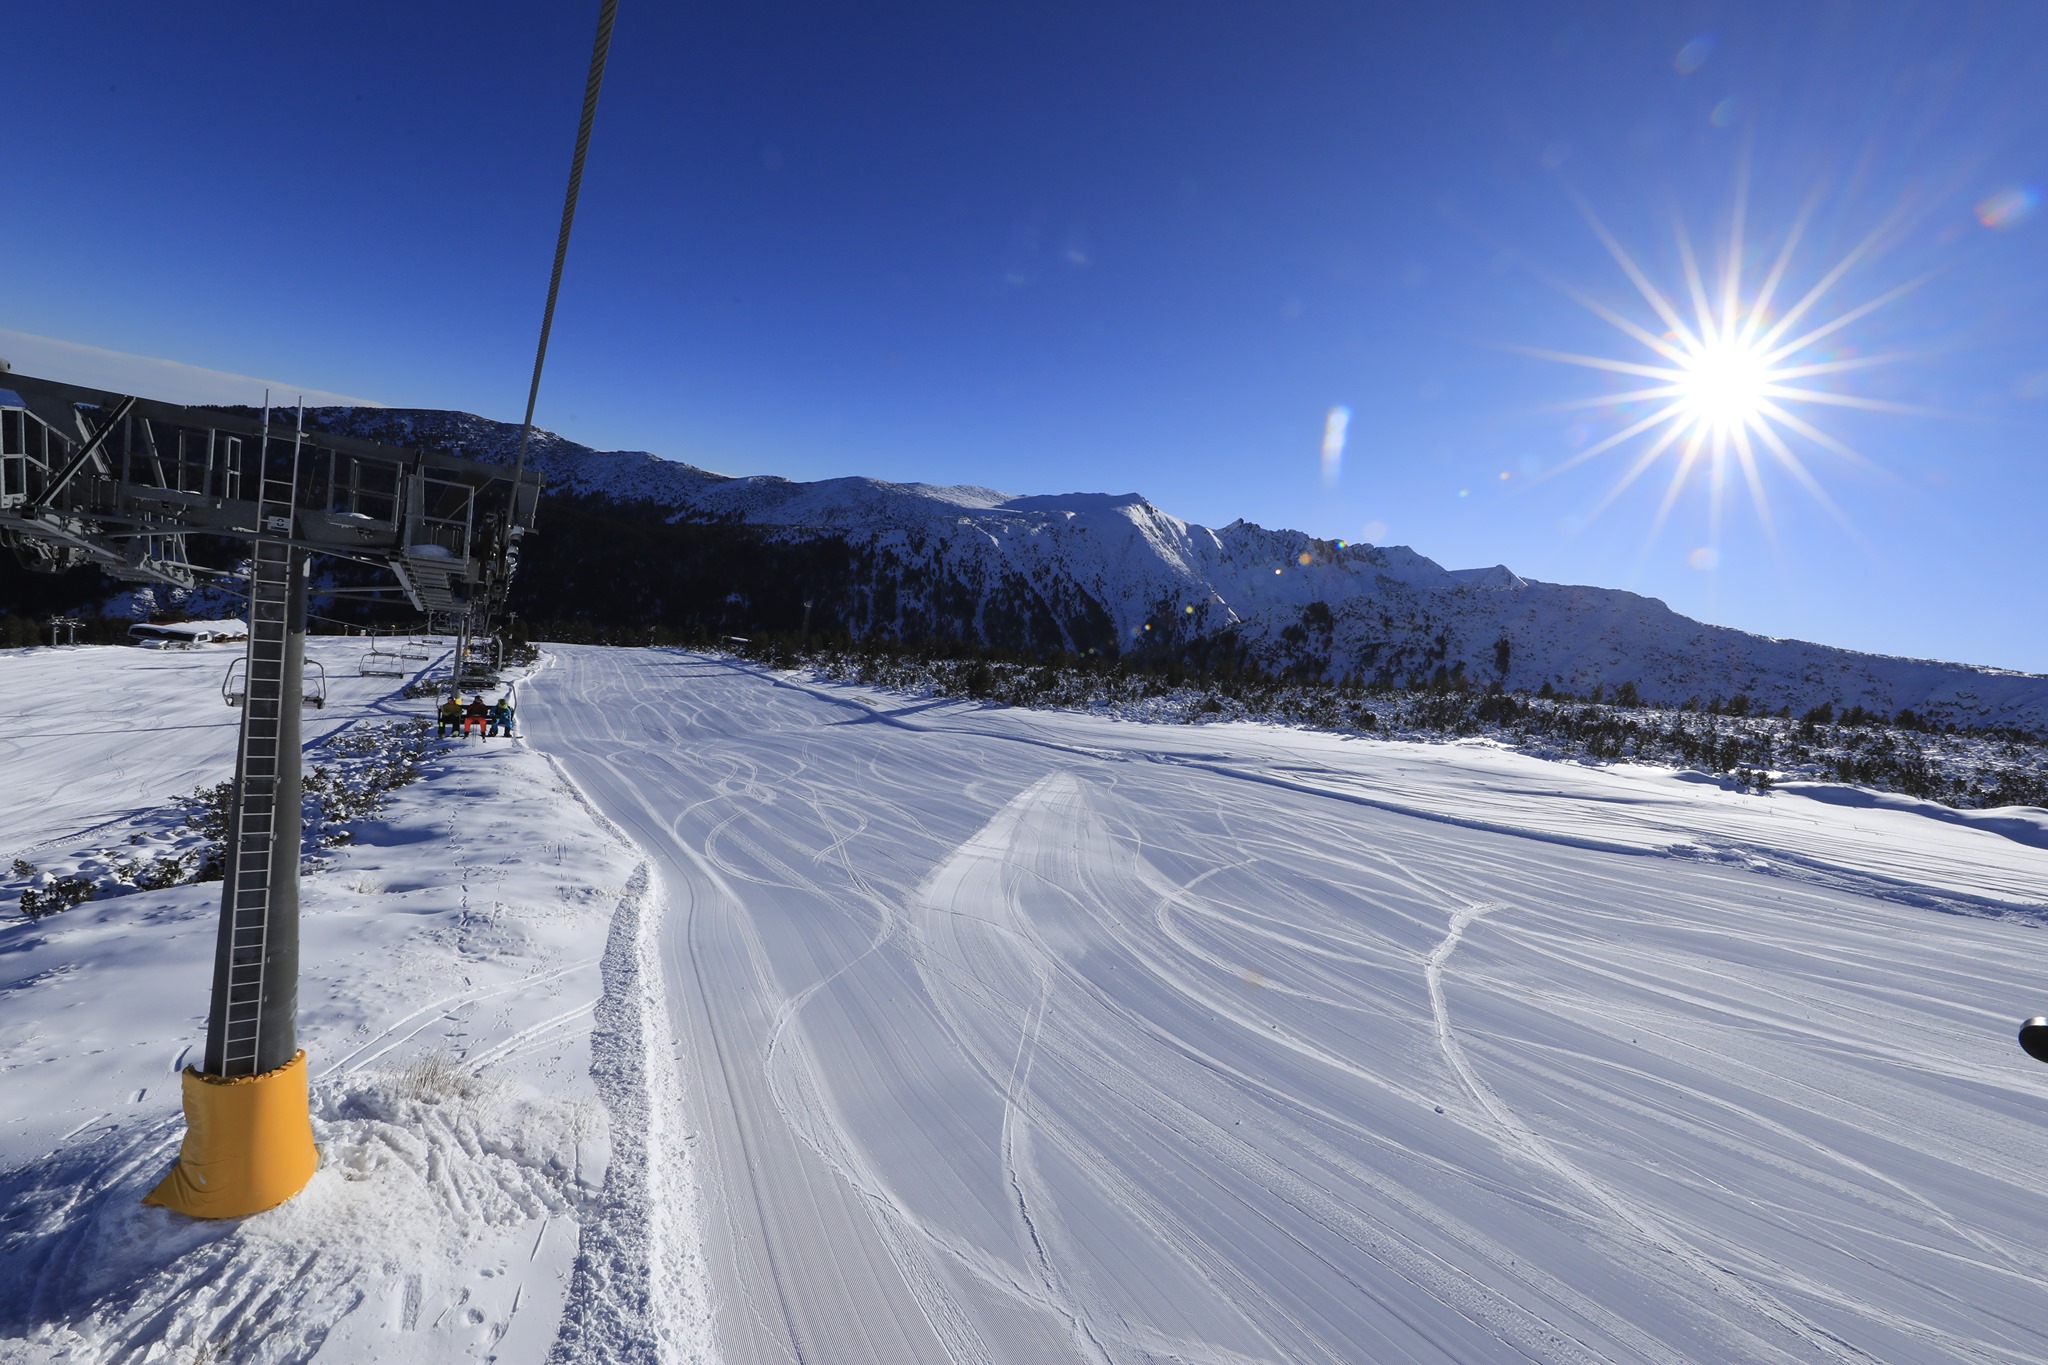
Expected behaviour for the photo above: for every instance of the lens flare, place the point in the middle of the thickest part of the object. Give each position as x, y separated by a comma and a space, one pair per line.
2009, 207
1335, 425
1726, 373
1693, 55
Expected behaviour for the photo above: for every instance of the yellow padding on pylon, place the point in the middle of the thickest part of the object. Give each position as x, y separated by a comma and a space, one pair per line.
248, 1143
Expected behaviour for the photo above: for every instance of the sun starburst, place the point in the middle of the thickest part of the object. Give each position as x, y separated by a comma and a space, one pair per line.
1726, 373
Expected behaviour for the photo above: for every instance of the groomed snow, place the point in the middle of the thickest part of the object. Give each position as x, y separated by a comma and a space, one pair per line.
1025, 1037
733, 1015
455, 961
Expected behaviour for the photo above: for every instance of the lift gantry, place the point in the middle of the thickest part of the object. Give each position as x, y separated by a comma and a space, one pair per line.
119, 482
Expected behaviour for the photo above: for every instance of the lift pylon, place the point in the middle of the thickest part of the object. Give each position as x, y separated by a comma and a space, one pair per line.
88, 477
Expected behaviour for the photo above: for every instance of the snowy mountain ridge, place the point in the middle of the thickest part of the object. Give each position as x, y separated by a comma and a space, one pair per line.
1116, 574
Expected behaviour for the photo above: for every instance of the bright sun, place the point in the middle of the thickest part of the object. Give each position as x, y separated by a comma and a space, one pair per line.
1723, 385
1724, 376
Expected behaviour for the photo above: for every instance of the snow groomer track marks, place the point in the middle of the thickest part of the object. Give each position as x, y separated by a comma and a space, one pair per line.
1019, 1036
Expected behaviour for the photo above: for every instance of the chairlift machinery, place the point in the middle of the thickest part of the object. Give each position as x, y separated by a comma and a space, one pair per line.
481, 659
119, 482
90, 477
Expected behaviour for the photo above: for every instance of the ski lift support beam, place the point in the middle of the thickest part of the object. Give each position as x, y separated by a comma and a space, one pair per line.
123, 492
91, 448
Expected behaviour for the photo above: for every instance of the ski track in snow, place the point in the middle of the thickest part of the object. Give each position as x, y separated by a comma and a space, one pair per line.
1017, 1037
1654, 1231
938, 1032
445, 1220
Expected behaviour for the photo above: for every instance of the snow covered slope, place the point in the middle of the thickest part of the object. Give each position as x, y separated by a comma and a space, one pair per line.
1015, 1036
1085, 571
468, 964
871, 1027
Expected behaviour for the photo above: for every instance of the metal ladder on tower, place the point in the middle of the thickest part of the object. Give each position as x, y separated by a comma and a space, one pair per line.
257, 765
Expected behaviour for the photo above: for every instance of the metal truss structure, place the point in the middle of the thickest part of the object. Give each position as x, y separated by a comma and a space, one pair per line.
119, 483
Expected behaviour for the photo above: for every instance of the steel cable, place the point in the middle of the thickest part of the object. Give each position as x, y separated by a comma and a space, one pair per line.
606, 14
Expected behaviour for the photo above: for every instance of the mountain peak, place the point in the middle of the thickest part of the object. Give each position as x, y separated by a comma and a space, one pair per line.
1111, 573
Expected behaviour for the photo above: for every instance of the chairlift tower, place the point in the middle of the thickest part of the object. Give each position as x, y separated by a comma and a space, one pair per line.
119, 482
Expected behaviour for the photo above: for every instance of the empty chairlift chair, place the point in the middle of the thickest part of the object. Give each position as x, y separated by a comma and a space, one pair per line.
383, 660
234, 688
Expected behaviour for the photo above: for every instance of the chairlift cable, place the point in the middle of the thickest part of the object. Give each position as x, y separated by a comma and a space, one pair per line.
606, 13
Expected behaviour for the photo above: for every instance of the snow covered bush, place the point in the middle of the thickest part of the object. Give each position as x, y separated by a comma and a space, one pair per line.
187, 842
1726, 737
367, 766
61, 893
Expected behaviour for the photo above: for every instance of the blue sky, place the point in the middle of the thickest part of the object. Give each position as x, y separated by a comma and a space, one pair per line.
1056, 247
